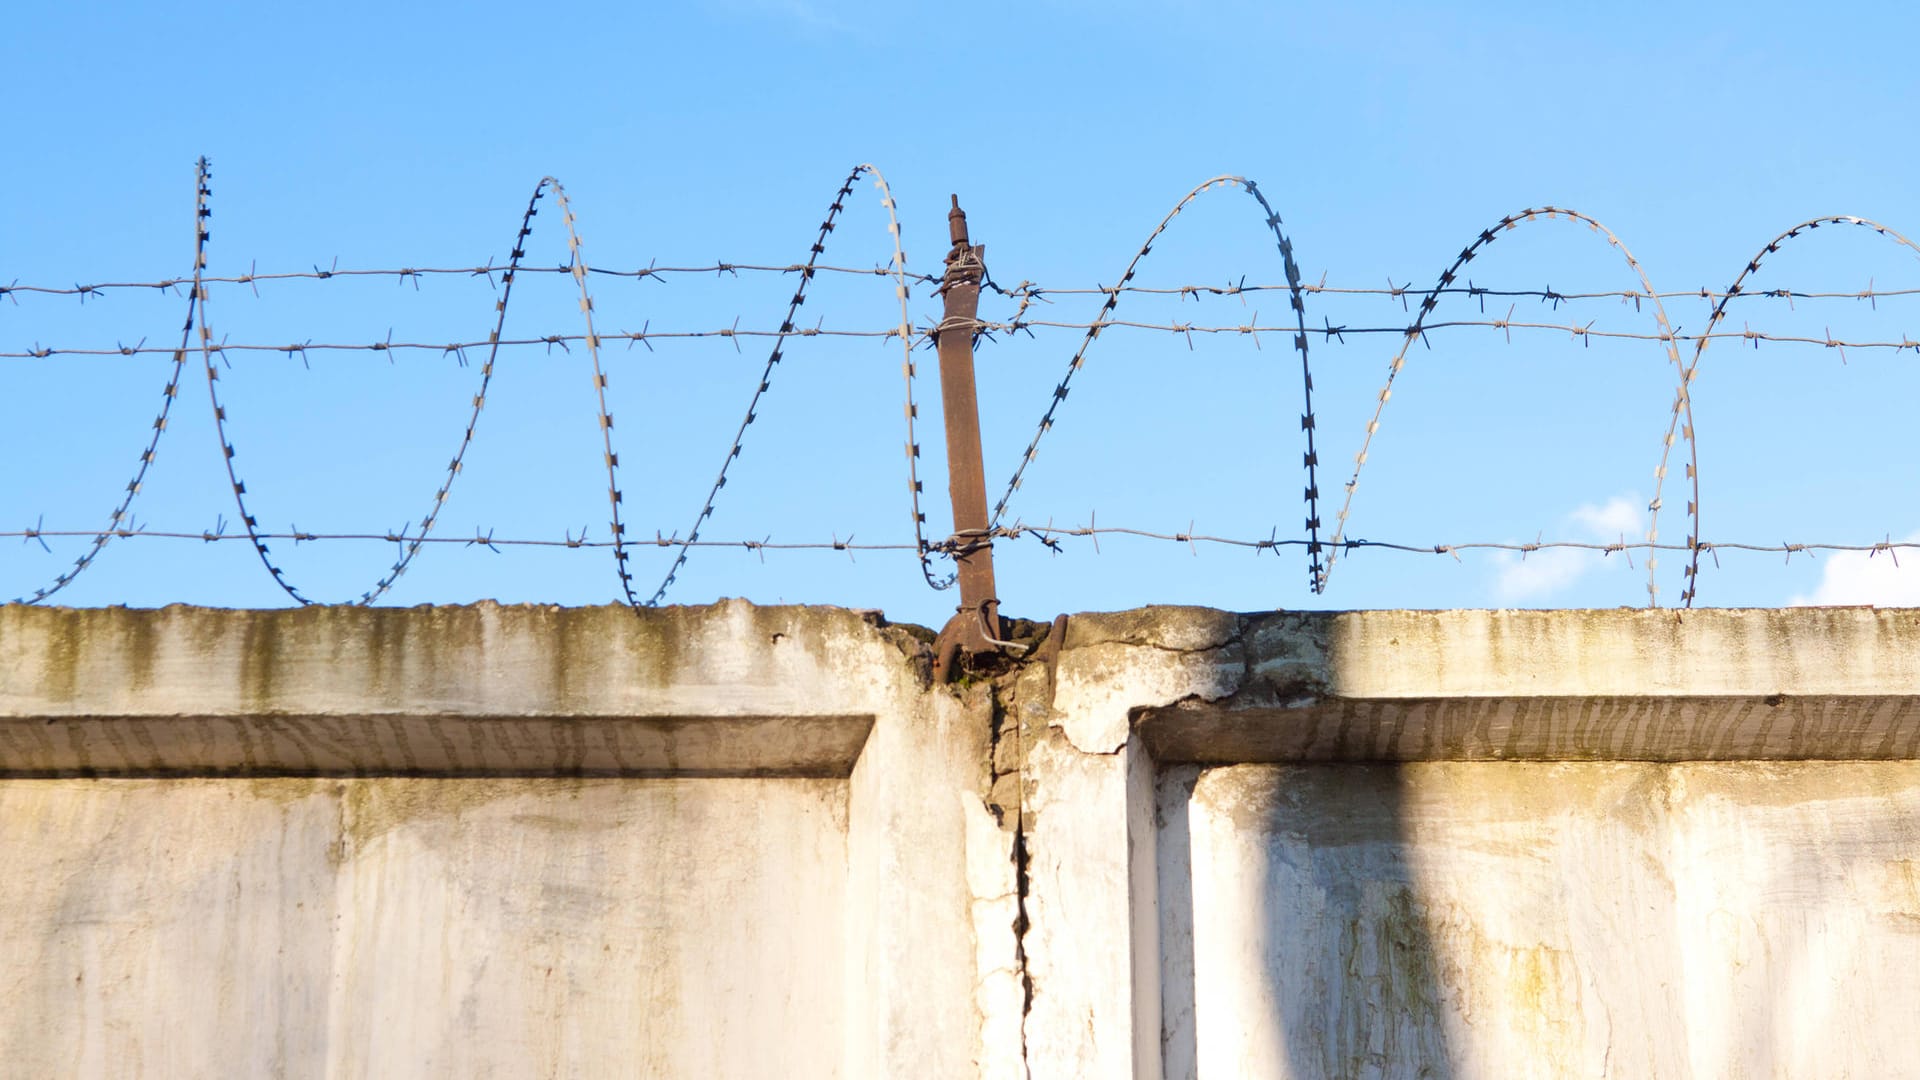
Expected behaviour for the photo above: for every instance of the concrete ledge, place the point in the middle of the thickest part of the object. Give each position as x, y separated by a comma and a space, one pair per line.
1609, 728
1637, 652
1207, 687
1620, 651
452, 746
481, 690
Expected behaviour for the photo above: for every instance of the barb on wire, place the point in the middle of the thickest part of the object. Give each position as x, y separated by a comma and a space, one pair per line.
1416, 331
1310, 459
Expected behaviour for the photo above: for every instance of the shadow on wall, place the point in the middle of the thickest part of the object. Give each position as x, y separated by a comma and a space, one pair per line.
1312, 954
1448, 919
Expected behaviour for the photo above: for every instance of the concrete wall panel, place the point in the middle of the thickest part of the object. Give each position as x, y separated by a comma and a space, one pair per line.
1576, 920
400, 927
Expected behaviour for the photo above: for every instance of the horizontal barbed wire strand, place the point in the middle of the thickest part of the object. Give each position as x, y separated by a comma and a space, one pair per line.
1576, 331
1010, 532
413, 273
1037, 291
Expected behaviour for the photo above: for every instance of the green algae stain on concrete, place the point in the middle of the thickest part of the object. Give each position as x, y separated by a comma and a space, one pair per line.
260, 659
60, 662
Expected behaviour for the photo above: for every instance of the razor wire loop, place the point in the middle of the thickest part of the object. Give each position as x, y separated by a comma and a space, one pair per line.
1310, 459
458, 462
577, 265
1416, 332
1700, 348
207, 349
408, 545
202, 212
898, 270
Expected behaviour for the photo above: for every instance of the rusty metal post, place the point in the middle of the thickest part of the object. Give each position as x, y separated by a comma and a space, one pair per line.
977, 624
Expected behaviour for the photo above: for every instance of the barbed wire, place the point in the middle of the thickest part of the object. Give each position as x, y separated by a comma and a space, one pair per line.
458, 348
1048, 535
1548, 294
1578, 331
1024, 290
921, 336
1322, 554
414, 274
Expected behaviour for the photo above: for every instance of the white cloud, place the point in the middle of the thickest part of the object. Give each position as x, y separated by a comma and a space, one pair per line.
1619, 517
1861, 577
1539, 574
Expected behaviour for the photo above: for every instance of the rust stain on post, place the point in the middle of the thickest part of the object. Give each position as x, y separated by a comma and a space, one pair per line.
978, 621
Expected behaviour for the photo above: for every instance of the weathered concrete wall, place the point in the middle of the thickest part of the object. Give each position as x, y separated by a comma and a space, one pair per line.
1354, 845
740, 841
483, 841
1581, 919
386, 927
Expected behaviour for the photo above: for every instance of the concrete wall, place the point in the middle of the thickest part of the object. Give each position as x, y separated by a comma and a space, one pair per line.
740, 841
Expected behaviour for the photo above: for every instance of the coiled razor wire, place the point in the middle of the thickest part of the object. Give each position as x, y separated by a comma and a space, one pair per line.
411, 547
898, 269
1692, 588
203, 171
1310, 458
1680, 423
1414, 333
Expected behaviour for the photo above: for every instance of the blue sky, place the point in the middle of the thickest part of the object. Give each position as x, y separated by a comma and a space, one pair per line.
1386, 136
